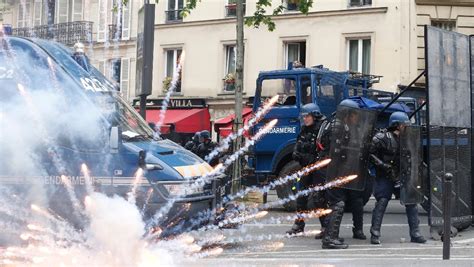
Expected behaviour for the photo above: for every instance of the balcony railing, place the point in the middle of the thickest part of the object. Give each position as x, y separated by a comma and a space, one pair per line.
357, 3
67, 33
174, 15
115, 33
231, 10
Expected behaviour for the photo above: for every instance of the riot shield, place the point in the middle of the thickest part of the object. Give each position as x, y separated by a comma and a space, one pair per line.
351, 132
411, 166
449, 125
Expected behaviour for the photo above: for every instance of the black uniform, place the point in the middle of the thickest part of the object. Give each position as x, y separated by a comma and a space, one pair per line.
192, 146
337, 197
305, 152
385, 155
205, 149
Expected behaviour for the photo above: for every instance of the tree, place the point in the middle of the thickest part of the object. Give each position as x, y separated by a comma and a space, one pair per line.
259, 17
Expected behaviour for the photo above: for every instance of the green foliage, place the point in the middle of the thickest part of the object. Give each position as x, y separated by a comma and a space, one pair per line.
259, 17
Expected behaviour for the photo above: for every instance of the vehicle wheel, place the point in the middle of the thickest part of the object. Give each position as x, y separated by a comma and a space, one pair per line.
284, 191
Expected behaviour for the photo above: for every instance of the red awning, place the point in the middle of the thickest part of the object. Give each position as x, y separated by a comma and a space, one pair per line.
224, 126
185, 120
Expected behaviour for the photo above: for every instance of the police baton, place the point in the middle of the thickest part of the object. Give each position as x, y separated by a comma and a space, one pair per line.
447, 186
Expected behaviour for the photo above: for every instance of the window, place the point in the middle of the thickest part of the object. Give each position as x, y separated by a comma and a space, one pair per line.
284, 88
69, 10
291, 5
231, 8
360, 2
174, 10
295, 51
118, 71
449, 25
24, 9
230, 59
172, 61
114, 70
359, 55
120, 27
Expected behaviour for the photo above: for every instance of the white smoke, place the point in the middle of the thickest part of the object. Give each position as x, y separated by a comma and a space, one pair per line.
115, 217
43, 113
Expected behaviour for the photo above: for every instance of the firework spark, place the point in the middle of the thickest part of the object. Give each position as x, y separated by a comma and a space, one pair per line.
252, 122
171, 90
133, 191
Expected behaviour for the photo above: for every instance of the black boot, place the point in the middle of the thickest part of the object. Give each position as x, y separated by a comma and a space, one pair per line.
377, 217
413, 223
324, 223
331, 237
298, 227
358, 234
358, 219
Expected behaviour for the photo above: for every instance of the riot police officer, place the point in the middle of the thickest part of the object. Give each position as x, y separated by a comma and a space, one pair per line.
193, 144
385, 155
306, 152
206, 146
80, 56
338, 196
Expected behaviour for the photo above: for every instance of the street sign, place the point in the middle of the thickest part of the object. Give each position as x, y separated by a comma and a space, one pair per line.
145, 43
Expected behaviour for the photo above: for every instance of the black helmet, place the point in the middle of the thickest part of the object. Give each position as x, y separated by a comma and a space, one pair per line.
205, 135
196, 137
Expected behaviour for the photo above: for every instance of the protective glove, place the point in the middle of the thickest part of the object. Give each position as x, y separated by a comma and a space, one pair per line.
297, 156
387, 167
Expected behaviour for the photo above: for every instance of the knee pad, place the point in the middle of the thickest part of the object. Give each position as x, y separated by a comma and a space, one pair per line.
338, 206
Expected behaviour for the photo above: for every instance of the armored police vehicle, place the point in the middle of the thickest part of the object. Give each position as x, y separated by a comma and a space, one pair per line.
118, 143
271, 157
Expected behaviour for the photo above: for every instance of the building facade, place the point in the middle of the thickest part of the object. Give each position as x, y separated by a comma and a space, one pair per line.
363, 35
381, 37
454, 15
106, 27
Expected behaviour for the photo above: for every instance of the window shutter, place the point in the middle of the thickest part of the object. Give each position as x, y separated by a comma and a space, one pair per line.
126, 12
20, 20
24, 12
77, 10
62, 7
102, 25
101, 66
124, 77
38, 11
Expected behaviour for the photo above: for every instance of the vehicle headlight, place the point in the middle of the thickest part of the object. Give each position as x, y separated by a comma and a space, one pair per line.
183, 189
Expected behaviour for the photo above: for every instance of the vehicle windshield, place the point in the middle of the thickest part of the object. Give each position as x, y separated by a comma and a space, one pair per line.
103, 93
119, 113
